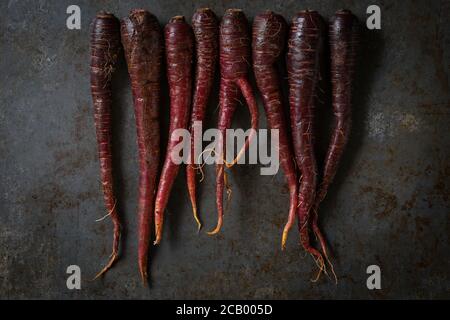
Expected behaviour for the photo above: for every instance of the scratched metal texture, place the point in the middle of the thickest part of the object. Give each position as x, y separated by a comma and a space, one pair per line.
389, 205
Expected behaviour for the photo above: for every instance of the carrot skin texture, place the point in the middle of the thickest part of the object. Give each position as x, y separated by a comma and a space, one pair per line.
206, 29
235, 56
235, 61
143, 44
305, 45
344, 43
179, 40
269, 36
229, 99
105, 50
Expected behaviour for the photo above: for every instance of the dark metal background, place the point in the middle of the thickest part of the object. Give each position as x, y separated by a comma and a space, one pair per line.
389, 206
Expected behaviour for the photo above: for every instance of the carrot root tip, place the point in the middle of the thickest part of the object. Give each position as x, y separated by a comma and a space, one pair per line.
217, 229
197, 219
113, 258
144, 278
284, 239
158, 232
158, 238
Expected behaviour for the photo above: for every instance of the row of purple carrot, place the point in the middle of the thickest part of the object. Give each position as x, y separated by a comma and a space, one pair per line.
230, 43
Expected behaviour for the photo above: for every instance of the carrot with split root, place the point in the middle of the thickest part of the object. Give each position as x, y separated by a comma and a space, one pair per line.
269, 35
105, 50
179, 52
206, 30
143, 45
344, 40
235, 55
303, 58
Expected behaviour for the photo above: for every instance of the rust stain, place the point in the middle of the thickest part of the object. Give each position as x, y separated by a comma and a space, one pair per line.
415, 90
384, 200
428, 257
49, 198
404, 220
409, 204
82, 118
438, 59
441, 187
421, 224
79, 67
69, 157
390, 155
88, 195
71, 161
435, 109
408, 172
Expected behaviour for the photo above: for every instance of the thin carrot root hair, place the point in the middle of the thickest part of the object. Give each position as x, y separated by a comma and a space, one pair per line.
108, 214
108, 266
202, 173
114, 255
322, 260
241, 152
199, 168
317, 256
229, 194
194, 203
196, 217
325, 253
320, 264
320, 238
228, 187
331, 268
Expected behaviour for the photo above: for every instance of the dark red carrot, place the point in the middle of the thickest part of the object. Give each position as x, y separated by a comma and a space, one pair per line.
344, 39
235, 55
143, 44
105, 50
206, 30
179, 40
269, 36
303, 60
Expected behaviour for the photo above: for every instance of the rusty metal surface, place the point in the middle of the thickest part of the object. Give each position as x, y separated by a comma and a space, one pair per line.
389, 205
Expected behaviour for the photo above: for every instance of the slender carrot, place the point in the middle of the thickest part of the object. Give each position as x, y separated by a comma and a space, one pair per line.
344, 40
206, 30
143, 44
269, 36
303, 58
235, 55
179, 52
105, 50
